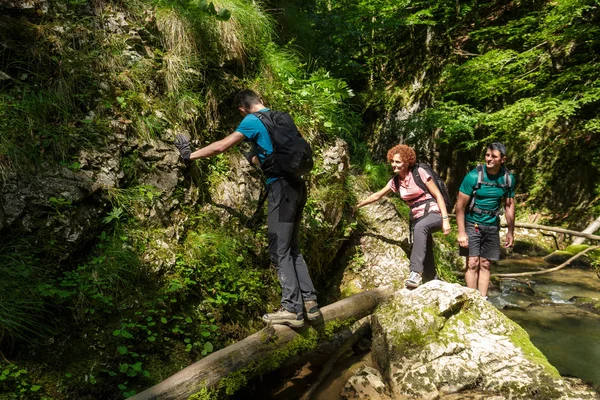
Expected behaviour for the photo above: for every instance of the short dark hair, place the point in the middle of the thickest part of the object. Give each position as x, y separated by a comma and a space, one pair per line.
246, 98
497, 146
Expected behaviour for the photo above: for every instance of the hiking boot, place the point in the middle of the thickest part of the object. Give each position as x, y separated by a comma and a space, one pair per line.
413, 281
311, 307
284, 317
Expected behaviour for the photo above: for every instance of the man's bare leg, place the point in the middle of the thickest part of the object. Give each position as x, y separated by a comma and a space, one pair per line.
472, 274
484, 275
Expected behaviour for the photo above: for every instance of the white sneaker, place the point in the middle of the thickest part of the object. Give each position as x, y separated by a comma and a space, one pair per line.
414, 280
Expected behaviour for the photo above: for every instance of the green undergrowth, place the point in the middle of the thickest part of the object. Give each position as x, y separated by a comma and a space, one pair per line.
145, 324
154, 287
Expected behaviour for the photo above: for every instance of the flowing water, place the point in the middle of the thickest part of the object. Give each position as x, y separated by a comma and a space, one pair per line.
546, 307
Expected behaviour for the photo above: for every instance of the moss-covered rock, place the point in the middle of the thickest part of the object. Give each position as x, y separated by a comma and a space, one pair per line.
445, 338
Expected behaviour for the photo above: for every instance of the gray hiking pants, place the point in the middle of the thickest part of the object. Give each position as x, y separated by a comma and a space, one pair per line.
421, 256
286, 202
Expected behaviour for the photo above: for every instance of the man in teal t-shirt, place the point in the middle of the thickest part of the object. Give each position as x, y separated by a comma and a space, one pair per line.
479, 222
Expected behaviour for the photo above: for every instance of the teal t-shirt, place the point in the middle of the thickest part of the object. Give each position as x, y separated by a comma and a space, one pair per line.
256, 132
487, 197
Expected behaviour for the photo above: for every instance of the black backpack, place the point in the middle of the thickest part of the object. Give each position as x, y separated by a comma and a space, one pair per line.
439, 182
292, 156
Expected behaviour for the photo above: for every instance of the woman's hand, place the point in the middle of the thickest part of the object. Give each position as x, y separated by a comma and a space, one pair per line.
446, 226
463, 239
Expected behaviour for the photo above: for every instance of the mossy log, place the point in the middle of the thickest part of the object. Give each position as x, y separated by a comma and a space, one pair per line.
211, 369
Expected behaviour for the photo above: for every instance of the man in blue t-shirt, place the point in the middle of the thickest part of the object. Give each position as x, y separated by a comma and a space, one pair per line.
286, 201
477, 216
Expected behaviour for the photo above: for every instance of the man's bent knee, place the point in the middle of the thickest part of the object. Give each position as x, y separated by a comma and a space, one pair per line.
473, 263
485, 263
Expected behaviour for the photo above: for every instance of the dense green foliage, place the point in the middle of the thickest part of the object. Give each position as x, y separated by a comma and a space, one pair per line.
450, 77
146, 294
161, 281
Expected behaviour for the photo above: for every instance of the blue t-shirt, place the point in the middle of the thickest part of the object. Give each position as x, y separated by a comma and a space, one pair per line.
256, 132
487, 197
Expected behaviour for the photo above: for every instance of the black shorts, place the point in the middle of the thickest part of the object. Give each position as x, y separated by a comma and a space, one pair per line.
483, 242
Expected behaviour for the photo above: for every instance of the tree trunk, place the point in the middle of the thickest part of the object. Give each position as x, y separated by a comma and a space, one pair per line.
210, 370
555, 229
584, 234
591, 228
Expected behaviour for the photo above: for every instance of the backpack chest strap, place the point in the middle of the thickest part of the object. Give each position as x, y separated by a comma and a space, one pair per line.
477, 210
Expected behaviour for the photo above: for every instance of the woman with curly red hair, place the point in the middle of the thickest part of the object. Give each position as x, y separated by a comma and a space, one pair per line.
428, 210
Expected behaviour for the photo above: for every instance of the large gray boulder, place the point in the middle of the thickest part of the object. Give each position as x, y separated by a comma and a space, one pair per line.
444, 338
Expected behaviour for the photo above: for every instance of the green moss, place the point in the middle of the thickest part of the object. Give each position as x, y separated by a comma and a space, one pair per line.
204, 394
578, 248
520, 338
465, 318
575, 248
302, 343
585, 300
410, 338
349, 289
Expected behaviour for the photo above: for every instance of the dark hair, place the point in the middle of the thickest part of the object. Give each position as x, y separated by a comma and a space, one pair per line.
246, 98
407, 154
497, 146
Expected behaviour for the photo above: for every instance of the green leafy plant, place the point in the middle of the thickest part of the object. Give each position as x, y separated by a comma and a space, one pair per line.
17, 380
115, 215
59, 203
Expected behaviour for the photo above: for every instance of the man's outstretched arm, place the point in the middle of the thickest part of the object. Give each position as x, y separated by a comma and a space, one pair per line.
218, 147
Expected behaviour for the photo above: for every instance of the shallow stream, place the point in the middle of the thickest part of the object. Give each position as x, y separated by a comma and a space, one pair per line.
545, 306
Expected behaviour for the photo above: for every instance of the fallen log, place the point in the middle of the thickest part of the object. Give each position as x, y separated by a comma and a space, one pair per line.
207, 372
561, 266
591, 228
555, 229
527, 225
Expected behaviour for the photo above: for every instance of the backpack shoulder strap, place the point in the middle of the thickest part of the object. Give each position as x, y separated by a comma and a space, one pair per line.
480, 179
507, 181
417, 177
266, 118
480, 176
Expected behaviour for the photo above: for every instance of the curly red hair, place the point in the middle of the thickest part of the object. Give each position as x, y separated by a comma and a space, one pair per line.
406, 153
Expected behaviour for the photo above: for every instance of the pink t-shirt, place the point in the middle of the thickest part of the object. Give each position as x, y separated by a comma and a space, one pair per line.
409, 192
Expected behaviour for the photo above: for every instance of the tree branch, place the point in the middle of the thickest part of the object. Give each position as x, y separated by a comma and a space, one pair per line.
546, 271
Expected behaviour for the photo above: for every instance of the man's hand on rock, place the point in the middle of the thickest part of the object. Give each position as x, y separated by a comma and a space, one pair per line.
183, 145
